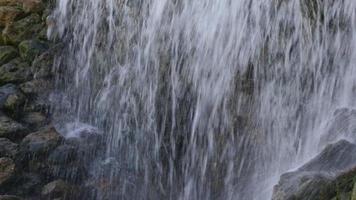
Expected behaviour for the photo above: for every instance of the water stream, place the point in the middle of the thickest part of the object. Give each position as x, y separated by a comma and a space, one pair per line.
204, 99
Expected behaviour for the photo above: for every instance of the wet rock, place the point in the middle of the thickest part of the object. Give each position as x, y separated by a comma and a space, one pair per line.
27, 184
16, 71
9, 197
353, 196
41, 143
8, 14
30, 49
34, 119
57, 189
10, 2
7, 53
315, 180
7, 170
35, 86
11, 129
11, 99
6, 91
63, 154
42, 65
23, 29
8, 148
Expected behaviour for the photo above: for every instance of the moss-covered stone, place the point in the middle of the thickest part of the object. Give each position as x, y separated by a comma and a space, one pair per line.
16, 71
7, 53
33, 6
11, 129
24, 29
10, 2
30, 49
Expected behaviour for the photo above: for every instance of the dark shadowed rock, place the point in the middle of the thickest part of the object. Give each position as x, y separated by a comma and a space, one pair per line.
11, 99
11, 129
63, 154
36, 86
16, 71
6, 91
7, 170
41, 143
34, 120
316, 179
8, 148
7, 53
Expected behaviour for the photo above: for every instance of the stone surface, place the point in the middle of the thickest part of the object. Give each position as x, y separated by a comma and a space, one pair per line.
8, 14
34, 119
11, 129
353, 196
23, 29
9, 197
35, 86
8, 148
30, 49
316, 179
41, 143
43, 64
16, 71
7, 53
5, 92
33, 5
56, 189
7, 170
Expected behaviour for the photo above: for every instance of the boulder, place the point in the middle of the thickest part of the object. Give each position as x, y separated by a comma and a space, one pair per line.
5, 92
56, 189
353, 196
63, 154
33, 6
23, 29
35, 86
30, 49
11, 129
8, 148
43, 64
10, 2
11, 99
41, 143
34, 119
316, 179
7, 53
9, 197
7, 170
16, 71
8, 14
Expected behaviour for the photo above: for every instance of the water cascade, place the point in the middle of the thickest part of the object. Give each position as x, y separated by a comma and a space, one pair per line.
202, 99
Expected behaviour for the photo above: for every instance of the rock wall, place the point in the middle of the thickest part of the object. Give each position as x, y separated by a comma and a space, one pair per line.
34, 159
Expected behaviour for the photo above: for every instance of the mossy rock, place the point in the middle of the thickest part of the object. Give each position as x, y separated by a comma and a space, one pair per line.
30, 49
16, 71
7, 53
11, 2
24, 29
8, 14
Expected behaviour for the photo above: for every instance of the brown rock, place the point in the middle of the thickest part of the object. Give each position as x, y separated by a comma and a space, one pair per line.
8, 14
10, 2
33, 5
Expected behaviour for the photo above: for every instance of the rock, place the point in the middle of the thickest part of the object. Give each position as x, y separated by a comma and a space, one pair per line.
63, 154
27, 184
8, 148
9, 197
11, 129
353, 196
43, 64
7, 170
56, 189
35, 86
34, 119
14, 104
30, 49
5, 92
40, 143
33, 6
7, 53
16, 71
10, 2
316, 179
24, 29
8, 14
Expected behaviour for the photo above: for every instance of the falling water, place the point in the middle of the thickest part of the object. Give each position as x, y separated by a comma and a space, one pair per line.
203, 99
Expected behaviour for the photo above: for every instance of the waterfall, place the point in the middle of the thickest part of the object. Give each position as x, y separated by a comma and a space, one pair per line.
203, 99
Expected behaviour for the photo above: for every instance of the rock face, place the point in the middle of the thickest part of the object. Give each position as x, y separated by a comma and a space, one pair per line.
7, 170
322, 176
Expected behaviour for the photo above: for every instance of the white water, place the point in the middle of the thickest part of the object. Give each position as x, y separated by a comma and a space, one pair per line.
205, 99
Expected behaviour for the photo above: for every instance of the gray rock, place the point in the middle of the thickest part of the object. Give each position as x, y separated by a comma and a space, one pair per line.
16, 71
56, 189
34, 119
63, 154
315, 179
6, 91
7, 170
41, 143
11, 99
8, 148
7, 53
35, 87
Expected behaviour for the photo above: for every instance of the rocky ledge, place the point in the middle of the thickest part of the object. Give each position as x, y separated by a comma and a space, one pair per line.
36, 162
